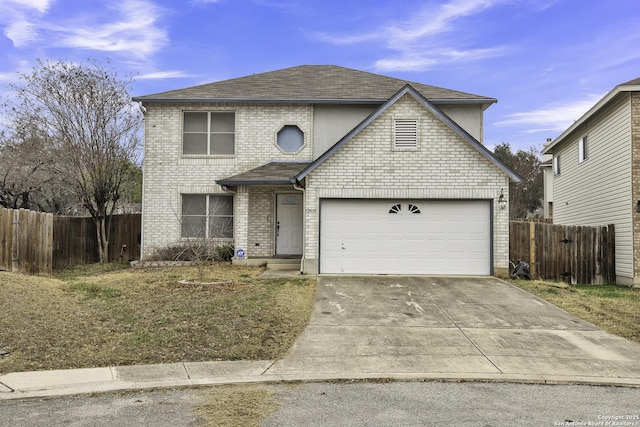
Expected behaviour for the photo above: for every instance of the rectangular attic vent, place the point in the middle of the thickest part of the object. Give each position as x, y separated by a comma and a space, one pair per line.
406, 133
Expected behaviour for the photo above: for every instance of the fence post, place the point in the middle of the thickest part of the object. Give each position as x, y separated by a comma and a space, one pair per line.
15, 241
532, 249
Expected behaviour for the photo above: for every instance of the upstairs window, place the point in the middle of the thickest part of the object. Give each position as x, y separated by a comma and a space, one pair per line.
583, 153
405, 135
290, 139
556, 165
210, 133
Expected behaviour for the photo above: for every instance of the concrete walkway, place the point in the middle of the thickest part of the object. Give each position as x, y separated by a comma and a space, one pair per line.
375, 327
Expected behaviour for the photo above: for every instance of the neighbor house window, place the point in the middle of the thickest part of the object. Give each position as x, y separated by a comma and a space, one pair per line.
208, 132
556, 165
405, 134
290, 138
207, 216
583, 154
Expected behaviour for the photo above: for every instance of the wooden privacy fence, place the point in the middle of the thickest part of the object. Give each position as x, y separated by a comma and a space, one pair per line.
26, 239
75, 240
35, 242
574, 254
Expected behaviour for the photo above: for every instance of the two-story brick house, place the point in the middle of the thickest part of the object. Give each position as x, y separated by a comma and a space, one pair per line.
350, 171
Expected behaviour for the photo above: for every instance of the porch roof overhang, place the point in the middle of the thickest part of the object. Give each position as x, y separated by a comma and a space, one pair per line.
272, 173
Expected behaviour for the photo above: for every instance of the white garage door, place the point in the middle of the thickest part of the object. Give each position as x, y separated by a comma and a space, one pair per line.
405, 237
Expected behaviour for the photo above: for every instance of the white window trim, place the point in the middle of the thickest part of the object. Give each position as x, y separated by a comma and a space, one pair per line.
208, 153
406, 138
556, 165
208, 215
290, 153
583, 149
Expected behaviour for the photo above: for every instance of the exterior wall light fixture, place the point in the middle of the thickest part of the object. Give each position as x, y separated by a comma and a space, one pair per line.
502, 201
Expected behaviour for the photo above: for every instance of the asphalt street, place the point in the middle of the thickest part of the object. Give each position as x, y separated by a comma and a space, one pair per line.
350, 404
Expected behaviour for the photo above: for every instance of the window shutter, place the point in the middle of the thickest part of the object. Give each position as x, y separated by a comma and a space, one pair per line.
406, 133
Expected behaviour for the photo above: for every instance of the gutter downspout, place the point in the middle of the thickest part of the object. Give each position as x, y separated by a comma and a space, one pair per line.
143, 110
296, 186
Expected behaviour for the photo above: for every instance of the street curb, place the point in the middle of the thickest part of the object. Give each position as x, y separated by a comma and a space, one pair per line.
145, 377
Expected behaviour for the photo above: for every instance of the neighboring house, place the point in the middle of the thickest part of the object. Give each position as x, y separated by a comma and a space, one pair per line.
596, 174
546, 167
348, 171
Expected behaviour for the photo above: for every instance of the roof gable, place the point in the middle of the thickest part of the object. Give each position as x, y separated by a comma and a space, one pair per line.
408, 89
630, 86
311, 84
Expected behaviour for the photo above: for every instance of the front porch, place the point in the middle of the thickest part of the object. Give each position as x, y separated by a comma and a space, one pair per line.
285, 262
268, 216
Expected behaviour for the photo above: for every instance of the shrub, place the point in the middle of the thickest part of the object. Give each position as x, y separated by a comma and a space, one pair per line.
225, 252
193, 251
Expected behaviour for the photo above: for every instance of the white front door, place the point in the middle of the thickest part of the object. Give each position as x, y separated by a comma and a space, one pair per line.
289, 224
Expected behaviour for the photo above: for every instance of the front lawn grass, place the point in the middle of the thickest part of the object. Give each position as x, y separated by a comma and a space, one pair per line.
613, 308
111, 315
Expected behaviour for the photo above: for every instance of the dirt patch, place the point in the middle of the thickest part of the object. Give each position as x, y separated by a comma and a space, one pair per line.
95, 317
238, 405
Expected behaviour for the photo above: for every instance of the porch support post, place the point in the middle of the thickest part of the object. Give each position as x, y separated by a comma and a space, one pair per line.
241, 220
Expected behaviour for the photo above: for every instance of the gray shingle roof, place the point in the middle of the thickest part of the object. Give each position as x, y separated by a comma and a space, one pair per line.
272, 173
310, 83
632, 82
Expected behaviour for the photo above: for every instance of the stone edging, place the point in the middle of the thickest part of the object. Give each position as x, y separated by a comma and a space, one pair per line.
144, 264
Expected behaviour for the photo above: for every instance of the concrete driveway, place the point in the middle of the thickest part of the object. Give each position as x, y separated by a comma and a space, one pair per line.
450, 328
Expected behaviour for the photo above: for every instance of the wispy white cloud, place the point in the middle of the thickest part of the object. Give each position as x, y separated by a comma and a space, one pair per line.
39, 5
205, 1
434, 20
555, 118
21, 33
134, 31
162, 75
17, 19
418, 41
129, 26
421, 60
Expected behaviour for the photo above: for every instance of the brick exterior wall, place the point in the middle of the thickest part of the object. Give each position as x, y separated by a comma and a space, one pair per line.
444, 167
635, 178
168, 174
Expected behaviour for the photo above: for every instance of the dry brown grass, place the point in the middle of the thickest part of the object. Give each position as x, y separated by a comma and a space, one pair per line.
238, 405
613, 308
91, 317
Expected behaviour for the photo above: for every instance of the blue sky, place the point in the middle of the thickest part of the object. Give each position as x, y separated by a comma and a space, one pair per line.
546, 61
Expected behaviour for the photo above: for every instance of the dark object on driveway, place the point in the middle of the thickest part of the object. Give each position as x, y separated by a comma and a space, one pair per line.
521, 270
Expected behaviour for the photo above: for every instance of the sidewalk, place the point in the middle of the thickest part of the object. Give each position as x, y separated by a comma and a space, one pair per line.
22, 385
79, 381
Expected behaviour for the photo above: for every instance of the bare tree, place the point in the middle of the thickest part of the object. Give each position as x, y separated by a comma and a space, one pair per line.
525, 196
89, 127
27, 180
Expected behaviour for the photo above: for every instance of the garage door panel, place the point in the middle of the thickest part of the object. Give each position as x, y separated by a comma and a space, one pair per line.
446, 237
